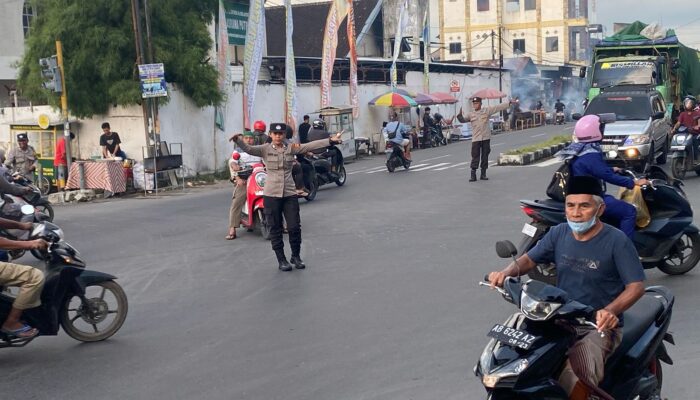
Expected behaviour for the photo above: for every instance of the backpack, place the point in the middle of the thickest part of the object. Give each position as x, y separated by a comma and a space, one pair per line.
392, 135
556, 189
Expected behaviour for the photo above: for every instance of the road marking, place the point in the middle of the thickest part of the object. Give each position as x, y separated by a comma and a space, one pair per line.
541, 134
498, 144
452, 166
429, 167
435, 158
548, 162
366, 170
372, 172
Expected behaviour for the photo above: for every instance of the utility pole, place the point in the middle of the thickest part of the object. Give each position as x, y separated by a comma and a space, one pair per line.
64, 105
153, 102
138, 41
493, 45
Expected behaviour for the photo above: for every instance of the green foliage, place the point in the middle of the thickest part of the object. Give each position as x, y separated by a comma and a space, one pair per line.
542, 145
100, 54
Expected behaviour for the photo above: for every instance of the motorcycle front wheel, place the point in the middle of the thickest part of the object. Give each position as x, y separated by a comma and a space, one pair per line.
262, 224
98, 315
311, 190
678, 168
342, 176
46, 209
683, 256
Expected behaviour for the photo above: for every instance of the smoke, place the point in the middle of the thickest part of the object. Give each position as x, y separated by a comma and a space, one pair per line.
531, 90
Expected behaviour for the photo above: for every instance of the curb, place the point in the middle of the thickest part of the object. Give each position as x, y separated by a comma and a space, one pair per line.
532, 157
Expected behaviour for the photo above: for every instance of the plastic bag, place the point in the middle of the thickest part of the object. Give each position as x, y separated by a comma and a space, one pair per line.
635, 197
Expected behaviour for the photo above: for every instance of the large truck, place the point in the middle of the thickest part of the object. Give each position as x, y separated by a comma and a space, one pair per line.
630, 58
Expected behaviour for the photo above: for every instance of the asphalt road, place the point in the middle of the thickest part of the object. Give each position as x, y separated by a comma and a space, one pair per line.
388, 308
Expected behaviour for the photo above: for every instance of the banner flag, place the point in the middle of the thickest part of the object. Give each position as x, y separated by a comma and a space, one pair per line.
336, 14
252, 59
400, 26
290, 72
354, 100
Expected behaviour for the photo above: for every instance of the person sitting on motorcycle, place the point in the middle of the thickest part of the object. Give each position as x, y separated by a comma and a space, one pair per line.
318, 131
7, 186
559, 106
428, 126
240, 187
29, 280
585, 158
690, 117
597, 266
401, 138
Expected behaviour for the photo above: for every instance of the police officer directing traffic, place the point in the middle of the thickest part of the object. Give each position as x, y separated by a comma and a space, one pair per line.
279, 194
22, 158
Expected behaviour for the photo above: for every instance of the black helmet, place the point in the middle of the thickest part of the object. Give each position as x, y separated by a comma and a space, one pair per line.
689, 102
318, 124
438, 117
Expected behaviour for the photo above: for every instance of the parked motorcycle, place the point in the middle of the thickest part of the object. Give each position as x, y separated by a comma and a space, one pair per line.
526, 354
671, 242
559, 117
253, 215
318, 172
89, 305
684, 155
395, 157
35, 197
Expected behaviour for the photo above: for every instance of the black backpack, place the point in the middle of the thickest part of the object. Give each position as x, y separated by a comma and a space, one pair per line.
392, 135
557, 187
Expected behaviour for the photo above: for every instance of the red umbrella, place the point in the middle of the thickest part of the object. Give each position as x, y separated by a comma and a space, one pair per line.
443, 98
489, 93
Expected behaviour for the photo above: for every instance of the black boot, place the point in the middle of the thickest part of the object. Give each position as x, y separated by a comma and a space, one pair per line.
296, 261
473, 177
284, 265
483, 175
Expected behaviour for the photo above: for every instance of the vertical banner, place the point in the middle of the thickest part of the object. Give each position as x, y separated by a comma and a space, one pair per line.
354, 100
336, 14
398, 37
254, 42
426, 52
222, 62
290, 74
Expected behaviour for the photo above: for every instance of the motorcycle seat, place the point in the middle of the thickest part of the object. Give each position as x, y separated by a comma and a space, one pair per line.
544, 203
637, 320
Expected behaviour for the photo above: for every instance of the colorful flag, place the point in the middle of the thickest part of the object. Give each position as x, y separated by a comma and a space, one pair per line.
426, 53
400, 26
336, 14
290, 71
222, 61
354, 100
252, 59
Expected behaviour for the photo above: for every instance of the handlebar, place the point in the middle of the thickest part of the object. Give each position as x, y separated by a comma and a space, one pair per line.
636, 177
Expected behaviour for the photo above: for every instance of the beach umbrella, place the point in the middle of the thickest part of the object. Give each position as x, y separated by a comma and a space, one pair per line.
393, 99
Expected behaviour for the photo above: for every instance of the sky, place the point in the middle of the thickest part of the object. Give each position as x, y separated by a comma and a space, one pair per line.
682, 15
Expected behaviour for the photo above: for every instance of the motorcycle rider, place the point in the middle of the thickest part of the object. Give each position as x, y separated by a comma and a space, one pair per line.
401, 138
279, 194
428, 126
6, 184
318, 131
240, 188
259, 129
29, 280
690, 118
597, 266
585, 158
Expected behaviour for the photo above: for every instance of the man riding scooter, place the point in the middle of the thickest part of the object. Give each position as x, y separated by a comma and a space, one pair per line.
240, 162
690, 118
400, 135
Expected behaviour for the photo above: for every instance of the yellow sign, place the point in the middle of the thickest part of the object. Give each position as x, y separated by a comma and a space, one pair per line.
44, 121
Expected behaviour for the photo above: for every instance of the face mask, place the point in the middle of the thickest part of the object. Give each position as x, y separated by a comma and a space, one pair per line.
582, 227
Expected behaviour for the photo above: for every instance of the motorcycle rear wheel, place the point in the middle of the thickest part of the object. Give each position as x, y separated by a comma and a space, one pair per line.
261, 224
312, 189
685, 262
96, 311
390, 166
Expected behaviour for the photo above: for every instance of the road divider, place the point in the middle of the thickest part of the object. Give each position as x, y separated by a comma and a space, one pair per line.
532, 153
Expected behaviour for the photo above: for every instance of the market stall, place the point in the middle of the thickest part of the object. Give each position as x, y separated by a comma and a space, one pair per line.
339, 118
107, 175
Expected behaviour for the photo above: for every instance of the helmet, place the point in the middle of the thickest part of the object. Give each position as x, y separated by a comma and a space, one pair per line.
236, 156
689, 102
318, 124
588, 129
289, 132
259, 126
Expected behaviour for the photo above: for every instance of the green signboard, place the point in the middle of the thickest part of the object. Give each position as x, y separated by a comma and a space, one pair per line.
236, 21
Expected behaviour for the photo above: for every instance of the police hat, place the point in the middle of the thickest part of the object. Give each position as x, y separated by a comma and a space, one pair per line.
584, 185
278, 127
476, 99
21, 137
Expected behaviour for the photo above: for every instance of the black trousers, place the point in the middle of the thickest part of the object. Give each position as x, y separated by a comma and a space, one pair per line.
275, 208
480, 154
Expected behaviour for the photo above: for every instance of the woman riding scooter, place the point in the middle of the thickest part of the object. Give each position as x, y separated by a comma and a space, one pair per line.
586, 158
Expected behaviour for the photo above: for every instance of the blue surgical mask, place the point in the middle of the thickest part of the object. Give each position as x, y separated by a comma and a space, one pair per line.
582, 227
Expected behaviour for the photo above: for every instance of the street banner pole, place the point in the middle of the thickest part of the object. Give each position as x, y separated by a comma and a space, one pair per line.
354, 100
426, 52
290, 74
398, 38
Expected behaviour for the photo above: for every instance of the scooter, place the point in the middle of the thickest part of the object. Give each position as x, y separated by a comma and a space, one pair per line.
89, 305
395, 157
253, 215
684, 155
526, 354
559, 117
670, 242
17, 234
318, 172
35, 198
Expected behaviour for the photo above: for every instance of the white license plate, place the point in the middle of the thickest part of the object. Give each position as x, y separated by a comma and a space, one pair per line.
678, 148
529, 230
608, 147
258, 192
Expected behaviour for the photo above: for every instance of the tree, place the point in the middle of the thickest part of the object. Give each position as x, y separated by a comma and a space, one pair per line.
100, 53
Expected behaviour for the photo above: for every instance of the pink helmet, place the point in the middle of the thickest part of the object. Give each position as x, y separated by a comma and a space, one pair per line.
588, 129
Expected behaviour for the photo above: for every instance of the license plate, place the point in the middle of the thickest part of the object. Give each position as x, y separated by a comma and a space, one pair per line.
512, 337
678, 148
529, 230
259, 192
608, 147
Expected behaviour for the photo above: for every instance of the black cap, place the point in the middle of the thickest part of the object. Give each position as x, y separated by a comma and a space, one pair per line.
279, 127
476, 99
22, 136
584, 185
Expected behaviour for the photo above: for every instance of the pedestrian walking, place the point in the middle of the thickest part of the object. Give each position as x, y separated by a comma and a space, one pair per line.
280, 195
239, 180
481, 134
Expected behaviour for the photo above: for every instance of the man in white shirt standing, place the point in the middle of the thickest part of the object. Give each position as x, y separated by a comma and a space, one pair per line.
240, 188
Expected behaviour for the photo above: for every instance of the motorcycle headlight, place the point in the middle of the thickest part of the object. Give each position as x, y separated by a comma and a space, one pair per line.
537, 310
637, 139
260, 179
679, 139
511, 370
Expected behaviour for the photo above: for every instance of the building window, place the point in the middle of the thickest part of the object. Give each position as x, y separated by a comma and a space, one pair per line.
456, 48
482, 5
27, 16
530, 5
518, 46
513, 5
552, 44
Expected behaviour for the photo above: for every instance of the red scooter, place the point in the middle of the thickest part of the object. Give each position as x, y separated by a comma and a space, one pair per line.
253, 215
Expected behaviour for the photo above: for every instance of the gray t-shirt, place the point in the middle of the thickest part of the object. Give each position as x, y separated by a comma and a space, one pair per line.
593, 272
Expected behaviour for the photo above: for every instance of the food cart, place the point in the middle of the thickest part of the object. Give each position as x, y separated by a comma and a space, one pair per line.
339, 118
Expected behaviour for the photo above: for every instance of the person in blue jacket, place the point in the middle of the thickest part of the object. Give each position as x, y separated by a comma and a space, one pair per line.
586, 159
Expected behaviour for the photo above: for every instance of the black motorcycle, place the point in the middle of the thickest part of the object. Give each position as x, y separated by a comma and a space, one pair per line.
671, 242
684, 156
89, 305
35, 197
322, 169
17, 234
526, 354
395, 157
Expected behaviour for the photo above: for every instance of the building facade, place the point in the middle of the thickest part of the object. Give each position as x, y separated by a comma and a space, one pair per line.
551, 32
15, 20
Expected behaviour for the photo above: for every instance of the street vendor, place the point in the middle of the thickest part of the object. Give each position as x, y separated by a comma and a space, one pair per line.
111, 143
22, 159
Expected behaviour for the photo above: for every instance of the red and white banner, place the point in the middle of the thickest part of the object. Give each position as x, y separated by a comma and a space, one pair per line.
252, 59
354, 100
336, 14
290, 72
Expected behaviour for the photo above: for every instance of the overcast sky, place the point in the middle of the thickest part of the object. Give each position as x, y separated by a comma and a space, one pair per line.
682, 15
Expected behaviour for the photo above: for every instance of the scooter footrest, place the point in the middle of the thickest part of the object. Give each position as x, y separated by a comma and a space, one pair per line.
5, 341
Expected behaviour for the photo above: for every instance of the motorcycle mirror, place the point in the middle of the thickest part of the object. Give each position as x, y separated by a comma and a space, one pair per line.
607, 118
576, 116
505, 249
27, 209
658, 115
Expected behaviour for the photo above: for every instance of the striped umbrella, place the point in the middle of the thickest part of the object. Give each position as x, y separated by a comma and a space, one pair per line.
393, 99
